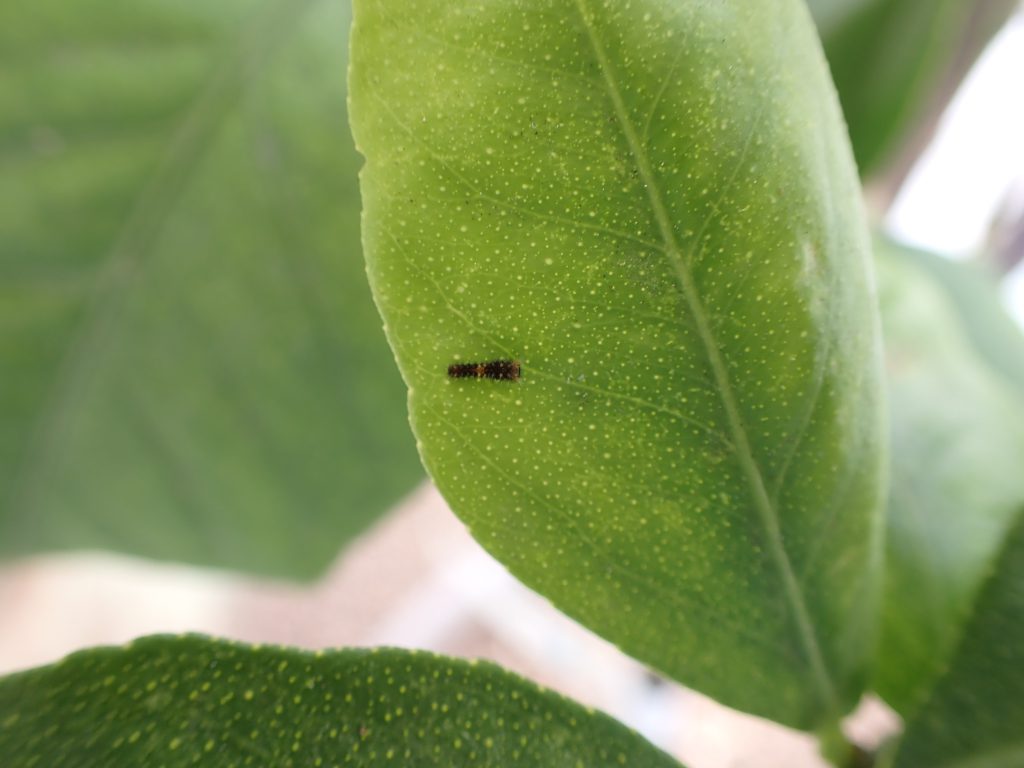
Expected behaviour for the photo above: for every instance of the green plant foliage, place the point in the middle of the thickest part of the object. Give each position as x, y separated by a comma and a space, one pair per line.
957, 447
974, 294
830, 15
651, 206
192, 365
975, 717
893, 61
195, 701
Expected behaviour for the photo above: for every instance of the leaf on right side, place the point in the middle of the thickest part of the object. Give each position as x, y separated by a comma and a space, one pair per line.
975, 716
957, 447
896, 63
973, 292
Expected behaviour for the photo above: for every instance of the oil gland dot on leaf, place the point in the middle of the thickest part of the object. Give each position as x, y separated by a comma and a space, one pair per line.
496, 370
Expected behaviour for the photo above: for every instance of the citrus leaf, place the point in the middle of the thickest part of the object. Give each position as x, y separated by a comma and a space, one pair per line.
192, 700
192, 365
897, 62
649, 212
974, 293
974, 717
957, 447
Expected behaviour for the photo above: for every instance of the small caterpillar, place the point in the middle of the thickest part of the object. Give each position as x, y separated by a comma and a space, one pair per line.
496, 370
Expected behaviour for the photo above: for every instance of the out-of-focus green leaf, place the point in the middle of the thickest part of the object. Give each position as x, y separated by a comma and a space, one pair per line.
195, 701
651, 206
831, 15
190, 363
974, 294
975, 716
957, 486
894, 61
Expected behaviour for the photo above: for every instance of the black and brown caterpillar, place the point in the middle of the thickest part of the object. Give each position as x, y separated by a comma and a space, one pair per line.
496, 370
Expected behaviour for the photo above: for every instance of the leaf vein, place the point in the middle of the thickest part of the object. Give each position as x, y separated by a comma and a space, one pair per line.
766, 511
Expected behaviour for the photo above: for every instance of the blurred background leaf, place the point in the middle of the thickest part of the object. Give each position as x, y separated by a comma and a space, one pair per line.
972, 292
191, 366
957, 446
897, 63
974, 718
182, 701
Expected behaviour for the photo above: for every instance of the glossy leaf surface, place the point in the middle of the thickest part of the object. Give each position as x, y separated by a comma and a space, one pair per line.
652, 208
195, 701
957, 448
975, 718
191, 366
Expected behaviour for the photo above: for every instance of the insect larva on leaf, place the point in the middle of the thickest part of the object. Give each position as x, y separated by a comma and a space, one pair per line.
496, 370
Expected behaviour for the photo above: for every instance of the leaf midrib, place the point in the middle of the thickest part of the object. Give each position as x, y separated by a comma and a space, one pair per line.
767, 513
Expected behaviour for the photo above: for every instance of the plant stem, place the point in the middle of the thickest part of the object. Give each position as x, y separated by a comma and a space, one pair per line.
840, 751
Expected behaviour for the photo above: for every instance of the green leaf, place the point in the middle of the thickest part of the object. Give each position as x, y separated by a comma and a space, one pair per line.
652, 207
897, 62
192, 365
191, 700
974, 294
975, 718
830, 15
957, 448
